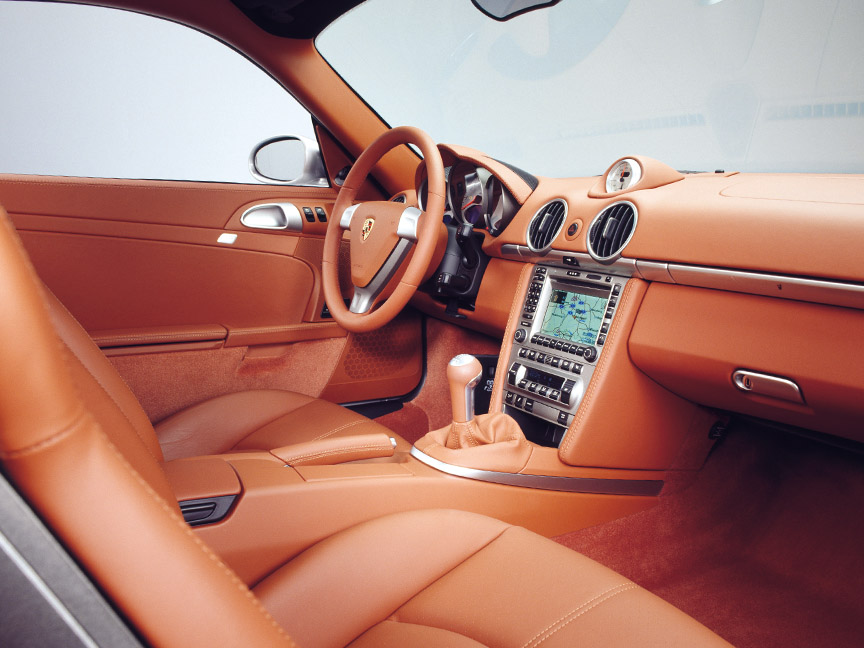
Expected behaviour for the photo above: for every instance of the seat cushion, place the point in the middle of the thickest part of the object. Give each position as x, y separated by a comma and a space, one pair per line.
480, 582
259, 420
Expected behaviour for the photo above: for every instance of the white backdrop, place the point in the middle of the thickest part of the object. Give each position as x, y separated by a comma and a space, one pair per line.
97, 92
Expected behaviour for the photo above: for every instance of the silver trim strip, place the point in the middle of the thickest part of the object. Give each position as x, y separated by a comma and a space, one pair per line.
818, 291
545, 482
653, 271
621, 267
408, 221
345, 219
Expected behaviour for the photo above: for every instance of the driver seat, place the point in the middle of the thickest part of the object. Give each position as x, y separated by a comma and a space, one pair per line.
255, 420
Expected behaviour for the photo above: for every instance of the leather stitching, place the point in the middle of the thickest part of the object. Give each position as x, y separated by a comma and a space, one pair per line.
338, 429
181, 524
577, 612
283, 329
263, 425
154, 336
47, 442
521, 288
611, 344
325, 453
113, 400
395, 615
82, 418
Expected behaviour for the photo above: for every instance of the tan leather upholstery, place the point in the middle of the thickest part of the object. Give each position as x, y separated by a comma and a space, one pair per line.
251, 420
489, 442
445, 578
420, 578
325, 452
260, 420
105, 501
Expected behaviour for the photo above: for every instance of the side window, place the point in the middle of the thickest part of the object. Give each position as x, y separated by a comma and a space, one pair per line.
96, 92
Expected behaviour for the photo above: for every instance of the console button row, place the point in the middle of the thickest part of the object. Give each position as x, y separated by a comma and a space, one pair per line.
589, 353
551, 360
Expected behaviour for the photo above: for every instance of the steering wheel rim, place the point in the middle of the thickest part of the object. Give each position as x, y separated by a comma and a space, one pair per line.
395, 232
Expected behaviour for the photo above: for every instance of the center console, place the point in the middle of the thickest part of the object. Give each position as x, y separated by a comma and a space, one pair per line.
564, 321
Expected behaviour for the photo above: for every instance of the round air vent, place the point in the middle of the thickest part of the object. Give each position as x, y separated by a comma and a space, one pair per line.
611, 230
546, 225
400, 198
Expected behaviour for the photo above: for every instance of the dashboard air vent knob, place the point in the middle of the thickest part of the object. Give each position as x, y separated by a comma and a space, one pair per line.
611, 230
546, 225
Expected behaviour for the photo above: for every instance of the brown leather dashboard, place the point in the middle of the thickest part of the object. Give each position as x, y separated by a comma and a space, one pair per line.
752, 272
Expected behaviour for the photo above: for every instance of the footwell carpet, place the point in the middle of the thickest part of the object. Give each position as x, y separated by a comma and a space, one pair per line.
765, 545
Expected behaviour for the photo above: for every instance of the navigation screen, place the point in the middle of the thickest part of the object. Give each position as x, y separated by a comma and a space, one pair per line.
574, 316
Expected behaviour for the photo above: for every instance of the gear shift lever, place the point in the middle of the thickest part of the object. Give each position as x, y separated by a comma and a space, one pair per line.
463, 373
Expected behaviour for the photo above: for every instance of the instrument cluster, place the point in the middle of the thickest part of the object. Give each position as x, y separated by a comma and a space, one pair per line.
474, 196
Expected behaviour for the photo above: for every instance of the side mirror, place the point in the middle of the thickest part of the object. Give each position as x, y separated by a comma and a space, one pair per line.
288, 160
502, 10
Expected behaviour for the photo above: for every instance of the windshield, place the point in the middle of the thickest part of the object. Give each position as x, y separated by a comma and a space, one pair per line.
747, 85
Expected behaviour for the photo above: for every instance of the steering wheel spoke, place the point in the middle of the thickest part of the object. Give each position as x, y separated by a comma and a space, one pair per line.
364, 298
345, 220
409, 221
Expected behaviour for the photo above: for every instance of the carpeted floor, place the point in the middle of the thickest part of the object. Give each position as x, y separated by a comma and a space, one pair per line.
431, 409
765, 545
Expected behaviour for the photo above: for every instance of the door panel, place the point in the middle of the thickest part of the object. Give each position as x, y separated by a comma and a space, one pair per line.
120, 283
182, 316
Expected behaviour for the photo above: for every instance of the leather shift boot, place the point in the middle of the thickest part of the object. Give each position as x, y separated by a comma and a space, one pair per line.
489, 442
483, 430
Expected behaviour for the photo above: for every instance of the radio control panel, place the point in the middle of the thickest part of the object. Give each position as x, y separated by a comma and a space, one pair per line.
564, 321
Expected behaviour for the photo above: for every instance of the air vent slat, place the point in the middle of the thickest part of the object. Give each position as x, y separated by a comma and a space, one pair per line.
611, 230
546, 225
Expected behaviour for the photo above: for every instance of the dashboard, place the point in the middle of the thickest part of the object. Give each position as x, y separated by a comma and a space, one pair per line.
740, 272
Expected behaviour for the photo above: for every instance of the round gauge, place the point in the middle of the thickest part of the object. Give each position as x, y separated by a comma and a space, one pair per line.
623, 175
467, 194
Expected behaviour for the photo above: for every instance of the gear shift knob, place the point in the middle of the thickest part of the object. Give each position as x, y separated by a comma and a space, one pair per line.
463, 373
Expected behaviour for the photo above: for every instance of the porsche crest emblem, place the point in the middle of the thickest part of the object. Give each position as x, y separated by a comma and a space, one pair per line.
368, 224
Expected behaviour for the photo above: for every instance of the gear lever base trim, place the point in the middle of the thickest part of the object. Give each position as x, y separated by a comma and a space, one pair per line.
649, 487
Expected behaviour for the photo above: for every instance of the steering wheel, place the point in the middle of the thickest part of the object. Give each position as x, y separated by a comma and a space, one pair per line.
387, 238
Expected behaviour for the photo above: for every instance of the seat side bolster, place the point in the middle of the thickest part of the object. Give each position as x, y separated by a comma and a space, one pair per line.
359, 577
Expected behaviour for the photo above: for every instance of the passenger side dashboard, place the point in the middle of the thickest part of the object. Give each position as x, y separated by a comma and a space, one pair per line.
754, 293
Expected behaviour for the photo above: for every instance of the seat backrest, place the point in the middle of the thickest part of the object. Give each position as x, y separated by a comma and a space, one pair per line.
107, 397
113, 511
